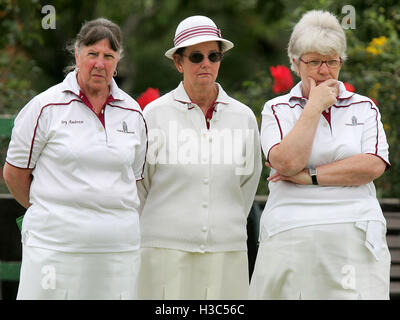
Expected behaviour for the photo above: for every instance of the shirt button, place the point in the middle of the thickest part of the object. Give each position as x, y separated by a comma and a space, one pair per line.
202, 247
325, 124
204, 229
205, 180
100, 129
205, 204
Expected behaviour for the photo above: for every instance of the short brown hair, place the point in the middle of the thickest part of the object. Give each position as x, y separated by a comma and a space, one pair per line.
94, 31
99, 29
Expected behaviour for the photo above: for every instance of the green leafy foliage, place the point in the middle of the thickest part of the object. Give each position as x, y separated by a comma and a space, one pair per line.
32, 58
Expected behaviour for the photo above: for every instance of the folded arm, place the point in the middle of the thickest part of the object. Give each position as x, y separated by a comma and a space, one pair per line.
291, 155
353, 171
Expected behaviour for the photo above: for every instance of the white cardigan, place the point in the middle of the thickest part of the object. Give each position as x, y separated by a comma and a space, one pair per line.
199, 184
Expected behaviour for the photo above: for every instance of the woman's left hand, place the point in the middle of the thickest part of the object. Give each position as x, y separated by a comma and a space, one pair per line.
303, 177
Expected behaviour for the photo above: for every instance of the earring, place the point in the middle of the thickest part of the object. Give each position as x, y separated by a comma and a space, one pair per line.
77, 69
115, 73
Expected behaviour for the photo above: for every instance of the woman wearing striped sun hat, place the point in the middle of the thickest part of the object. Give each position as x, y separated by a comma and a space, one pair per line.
201, 174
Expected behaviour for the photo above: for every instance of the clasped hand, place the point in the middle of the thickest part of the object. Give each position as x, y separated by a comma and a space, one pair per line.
303, 177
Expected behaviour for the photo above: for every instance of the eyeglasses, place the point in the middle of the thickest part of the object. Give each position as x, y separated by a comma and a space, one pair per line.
317, 63
197, 57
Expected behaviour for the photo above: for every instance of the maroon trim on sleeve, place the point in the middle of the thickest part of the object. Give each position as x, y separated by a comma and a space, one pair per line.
271, 149
17, 166
376, 119
377, 130
147, 145
276, 117
388, 165
335, 106
37, 123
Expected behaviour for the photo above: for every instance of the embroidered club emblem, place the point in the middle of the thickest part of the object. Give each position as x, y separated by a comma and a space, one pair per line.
125, 128
354, 122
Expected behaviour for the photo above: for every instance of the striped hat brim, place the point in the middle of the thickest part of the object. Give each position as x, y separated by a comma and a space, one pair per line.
195, 35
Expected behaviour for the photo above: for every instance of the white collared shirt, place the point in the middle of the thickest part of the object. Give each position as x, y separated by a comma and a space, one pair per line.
83, 193
355, 128
199, 184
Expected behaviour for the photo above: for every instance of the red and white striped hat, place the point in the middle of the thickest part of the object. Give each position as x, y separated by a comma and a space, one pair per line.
194, 30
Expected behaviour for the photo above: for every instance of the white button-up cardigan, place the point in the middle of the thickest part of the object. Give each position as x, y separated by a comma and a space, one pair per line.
199, 184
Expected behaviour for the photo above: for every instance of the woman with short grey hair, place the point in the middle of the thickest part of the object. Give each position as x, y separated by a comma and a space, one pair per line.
322, 233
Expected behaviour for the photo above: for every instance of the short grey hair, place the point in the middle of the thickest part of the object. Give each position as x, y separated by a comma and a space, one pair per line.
317, 31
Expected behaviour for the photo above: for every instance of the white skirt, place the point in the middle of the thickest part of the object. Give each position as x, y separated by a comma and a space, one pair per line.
320, 262
55, 275
167, 274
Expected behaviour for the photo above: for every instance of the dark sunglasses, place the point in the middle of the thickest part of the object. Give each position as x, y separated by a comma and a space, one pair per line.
197, 57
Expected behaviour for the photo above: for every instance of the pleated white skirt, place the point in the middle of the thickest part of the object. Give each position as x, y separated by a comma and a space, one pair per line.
55, 275
320, 262
179, 275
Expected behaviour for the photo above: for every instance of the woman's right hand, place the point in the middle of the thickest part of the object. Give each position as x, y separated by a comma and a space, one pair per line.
324, 95
291, 155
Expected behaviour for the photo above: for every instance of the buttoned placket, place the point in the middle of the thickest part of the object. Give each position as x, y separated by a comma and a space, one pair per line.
101, 133
199, 122
205, 186
103, 137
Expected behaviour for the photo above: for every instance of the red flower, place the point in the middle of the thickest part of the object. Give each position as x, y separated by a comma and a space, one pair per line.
283, 80
349, 87
148, 96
